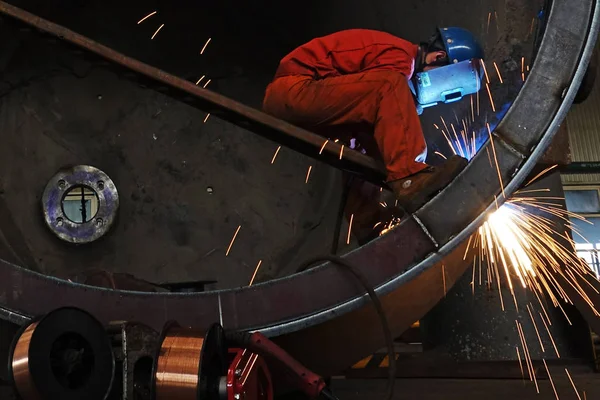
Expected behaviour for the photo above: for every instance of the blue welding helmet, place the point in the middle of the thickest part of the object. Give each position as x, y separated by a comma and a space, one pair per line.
446, 84
454, 77
460, 44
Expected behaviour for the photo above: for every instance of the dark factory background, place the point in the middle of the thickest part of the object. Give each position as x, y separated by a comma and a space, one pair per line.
197, 177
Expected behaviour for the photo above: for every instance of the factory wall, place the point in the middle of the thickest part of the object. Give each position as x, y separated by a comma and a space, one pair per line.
583, 123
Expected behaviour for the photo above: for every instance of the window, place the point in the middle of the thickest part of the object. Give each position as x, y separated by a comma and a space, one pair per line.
80, 204
584, 201
589, 252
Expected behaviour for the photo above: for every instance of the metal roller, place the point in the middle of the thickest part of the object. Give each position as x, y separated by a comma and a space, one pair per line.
189, 363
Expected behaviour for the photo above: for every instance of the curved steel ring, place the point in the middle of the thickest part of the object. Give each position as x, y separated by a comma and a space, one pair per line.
323, 302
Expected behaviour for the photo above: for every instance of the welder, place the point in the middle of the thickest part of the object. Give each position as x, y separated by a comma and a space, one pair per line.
361, 78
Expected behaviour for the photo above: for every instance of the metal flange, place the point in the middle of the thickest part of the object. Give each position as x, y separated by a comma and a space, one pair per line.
92, 225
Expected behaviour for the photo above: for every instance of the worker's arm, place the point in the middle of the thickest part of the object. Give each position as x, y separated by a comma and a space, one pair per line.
393, 59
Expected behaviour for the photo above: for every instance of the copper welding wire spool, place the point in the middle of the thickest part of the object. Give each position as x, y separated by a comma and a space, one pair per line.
64, 355
189, 364
19, 364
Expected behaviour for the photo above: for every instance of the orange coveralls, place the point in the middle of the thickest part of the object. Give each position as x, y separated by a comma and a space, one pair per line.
354, 77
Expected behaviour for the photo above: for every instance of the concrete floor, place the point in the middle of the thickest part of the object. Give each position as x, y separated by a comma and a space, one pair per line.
467, 389
57, 109
450, 389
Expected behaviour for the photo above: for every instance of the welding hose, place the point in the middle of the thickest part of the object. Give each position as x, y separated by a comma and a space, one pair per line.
310, 383
378, 308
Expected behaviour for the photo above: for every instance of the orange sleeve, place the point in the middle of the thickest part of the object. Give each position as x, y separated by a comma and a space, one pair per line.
393, 59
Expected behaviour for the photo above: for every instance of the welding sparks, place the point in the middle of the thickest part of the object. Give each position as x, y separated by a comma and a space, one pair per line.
205, 44
522, 240
206, 84
491, 99
473, 277
515, 237
255, 272
342, 152
520, 363
472, 110
147, 16
498, 72
536, 329
550, 377
444, 122
350, 228
389, 226
463, 144
538, 176
206, 118
444, 278
532, 25
200, 80
523, 68
495, 159
275, 155
497, 24
156, 33
488, 21
573, 383
308, 173
522, 340
527, 356
487, 78
233, 240
323, 147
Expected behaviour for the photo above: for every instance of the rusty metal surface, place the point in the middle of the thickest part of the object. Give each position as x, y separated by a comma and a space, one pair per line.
559, 151
327, 304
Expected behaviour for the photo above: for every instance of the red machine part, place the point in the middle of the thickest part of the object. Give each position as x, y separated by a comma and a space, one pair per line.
248, 377
288, 368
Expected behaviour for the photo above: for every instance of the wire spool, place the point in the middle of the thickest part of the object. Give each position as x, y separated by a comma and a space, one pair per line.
189, 363
64, 355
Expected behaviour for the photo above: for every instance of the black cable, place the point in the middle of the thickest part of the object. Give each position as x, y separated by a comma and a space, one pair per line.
378, 307
340, 216
326, 393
